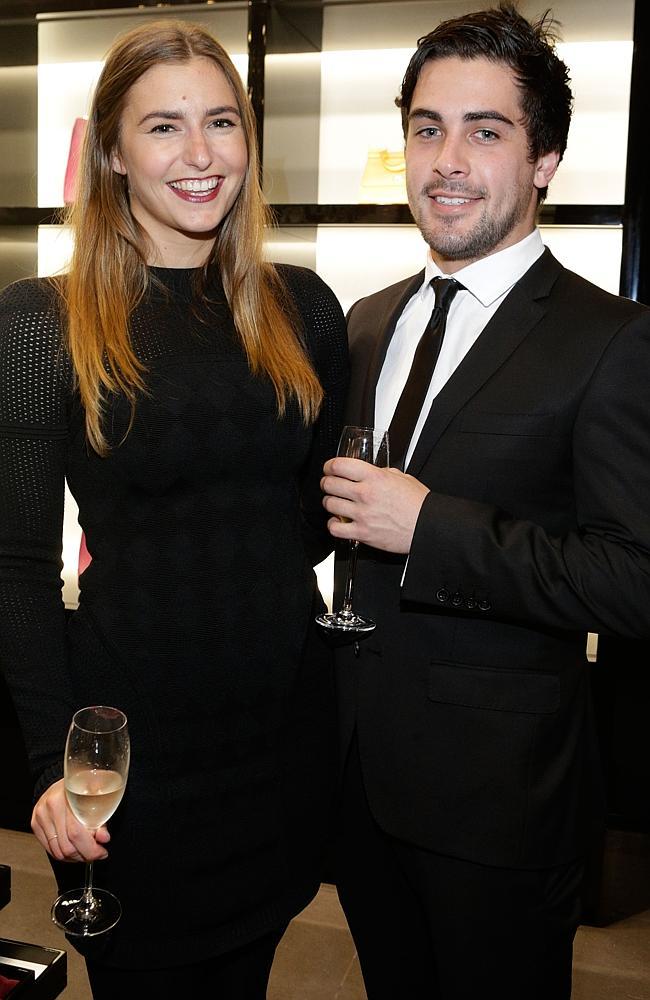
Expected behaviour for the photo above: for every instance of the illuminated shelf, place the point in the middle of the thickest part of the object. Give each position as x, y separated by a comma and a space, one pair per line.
324, 74
350, 214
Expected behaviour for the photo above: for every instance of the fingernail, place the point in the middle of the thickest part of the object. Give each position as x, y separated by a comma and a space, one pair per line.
102, 857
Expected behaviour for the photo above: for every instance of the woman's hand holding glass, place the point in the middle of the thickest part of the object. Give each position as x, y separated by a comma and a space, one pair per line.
59, 831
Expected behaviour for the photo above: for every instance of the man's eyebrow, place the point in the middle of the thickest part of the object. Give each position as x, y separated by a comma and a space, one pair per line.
493, 116
174, 116
432, 116
428, 114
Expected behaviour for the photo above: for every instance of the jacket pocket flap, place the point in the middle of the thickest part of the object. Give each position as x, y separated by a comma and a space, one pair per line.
494, 689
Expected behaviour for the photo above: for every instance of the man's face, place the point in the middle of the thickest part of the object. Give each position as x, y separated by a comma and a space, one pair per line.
471, 185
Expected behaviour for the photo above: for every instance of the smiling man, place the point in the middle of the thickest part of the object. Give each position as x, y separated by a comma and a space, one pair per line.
514, 520
482, 195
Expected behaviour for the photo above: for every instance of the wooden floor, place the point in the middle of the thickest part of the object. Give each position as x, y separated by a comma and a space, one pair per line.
316, 959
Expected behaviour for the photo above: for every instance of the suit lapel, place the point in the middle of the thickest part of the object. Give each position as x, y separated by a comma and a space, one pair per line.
520, 312
375, 340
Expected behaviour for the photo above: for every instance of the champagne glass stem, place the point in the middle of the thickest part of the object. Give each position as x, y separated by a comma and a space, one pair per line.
346, 608
87, 903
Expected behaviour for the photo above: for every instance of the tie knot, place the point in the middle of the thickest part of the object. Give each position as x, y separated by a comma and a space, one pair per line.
445, 289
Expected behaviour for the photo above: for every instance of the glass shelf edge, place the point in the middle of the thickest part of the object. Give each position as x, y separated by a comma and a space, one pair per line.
351, 214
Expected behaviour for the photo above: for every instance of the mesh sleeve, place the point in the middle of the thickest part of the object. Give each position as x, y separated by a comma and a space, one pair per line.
34, 393
326, 340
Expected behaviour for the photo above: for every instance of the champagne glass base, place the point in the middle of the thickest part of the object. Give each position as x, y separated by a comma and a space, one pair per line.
73, 916
341, 621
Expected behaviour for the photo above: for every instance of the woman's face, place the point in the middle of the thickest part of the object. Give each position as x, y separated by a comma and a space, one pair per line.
183, 151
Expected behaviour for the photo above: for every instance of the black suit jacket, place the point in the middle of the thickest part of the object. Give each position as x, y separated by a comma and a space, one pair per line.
471, 698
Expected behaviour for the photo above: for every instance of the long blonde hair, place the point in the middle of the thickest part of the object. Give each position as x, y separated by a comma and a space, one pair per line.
108, 276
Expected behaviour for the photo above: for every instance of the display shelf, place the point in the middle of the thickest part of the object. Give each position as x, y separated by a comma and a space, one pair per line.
18, 252
323, 76
19, 89
312, 214
335, 88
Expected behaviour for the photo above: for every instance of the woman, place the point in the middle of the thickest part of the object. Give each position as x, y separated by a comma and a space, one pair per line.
189, 392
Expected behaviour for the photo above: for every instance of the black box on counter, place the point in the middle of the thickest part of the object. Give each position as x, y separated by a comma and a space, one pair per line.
41, 973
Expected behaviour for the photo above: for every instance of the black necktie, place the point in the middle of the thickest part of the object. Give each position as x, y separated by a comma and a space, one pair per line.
414, 392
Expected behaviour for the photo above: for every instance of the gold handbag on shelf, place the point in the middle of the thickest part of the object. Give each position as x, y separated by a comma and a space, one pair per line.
384, 178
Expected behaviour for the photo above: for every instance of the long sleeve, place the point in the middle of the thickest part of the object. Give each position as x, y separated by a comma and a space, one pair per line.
594, 576
34, 388
326, 339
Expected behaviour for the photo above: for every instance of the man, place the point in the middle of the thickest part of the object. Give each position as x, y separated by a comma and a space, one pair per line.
520, 523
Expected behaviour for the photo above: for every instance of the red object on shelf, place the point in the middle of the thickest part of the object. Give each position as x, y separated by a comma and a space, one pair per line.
70, 182
84, 556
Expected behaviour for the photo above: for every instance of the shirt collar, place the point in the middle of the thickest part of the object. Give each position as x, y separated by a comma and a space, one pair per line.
491, 277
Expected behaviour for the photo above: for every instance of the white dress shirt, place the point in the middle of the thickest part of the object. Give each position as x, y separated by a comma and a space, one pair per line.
487, 281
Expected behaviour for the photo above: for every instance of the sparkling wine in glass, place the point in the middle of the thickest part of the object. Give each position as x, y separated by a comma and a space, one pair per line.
95, 771
370, 445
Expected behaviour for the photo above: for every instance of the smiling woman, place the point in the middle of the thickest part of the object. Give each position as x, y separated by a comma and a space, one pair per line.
117, 185
183, 152
189, 392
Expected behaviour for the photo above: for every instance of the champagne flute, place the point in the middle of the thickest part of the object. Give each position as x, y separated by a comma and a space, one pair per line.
370, 445
95, 771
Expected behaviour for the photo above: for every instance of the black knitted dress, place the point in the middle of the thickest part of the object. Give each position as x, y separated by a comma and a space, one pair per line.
196, 611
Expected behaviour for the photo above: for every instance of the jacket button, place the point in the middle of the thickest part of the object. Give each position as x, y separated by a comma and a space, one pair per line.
442, 595
457, 599
470, 603
484, 605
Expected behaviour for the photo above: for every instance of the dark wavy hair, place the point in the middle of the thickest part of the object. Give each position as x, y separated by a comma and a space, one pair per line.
501, 34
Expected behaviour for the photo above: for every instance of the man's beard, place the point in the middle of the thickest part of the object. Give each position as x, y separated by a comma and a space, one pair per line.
487, 234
